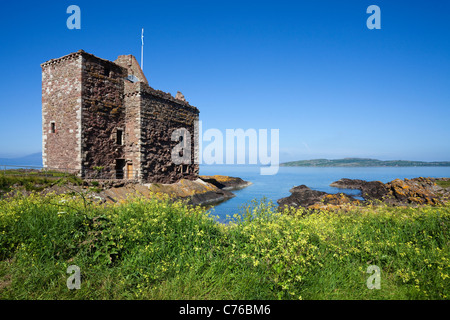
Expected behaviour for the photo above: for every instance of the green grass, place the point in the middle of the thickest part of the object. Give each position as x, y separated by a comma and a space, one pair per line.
443, 184
34, 181
155, 249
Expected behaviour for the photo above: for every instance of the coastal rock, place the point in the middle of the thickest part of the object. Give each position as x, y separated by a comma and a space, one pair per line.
196, 192
226, 182
207, 191
370, 190
417, 191
398, 192
302, 196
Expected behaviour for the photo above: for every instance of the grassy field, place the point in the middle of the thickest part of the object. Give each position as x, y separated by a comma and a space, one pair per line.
155, 249
34, 180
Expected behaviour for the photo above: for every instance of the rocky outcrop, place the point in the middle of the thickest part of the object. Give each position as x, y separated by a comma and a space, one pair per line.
302, 196
399, 192
207, 191
370, 190
226, 182
417, 191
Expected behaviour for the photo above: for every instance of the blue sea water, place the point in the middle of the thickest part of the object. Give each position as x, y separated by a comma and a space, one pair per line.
274, 187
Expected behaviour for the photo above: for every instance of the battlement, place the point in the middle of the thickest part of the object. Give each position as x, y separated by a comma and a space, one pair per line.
71, 56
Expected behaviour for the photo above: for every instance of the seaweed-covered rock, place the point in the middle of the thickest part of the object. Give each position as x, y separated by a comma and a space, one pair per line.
370, 190
226, 182
417, 191
408, 191
205, 191
302, 196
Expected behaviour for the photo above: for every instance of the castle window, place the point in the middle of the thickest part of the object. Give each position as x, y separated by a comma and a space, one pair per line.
120, 168
119, 137
106, 72
132, 78
52, 127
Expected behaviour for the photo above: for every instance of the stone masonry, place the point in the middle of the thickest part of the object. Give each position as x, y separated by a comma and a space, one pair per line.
102, 119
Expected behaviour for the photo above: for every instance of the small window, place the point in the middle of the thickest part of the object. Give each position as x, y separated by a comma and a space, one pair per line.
52, 127
119, 137
106, 72
132, 78
120, 167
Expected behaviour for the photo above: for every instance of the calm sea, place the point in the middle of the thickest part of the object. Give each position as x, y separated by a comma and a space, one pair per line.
277, 186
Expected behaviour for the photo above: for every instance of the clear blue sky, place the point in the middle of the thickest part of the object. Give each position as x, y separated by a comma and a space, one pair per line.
311, 69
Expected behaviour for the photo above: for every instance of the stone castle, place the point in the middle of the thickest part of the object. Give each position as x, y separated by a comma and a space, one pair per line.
102, 118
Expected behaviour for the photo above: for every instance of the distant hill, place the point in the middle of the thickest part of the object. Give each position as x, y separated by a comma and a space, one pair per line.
361, 162
34, 160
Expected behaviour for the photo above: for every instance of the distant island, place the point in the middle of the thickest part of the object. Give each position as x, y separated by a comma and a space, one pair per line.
362, 162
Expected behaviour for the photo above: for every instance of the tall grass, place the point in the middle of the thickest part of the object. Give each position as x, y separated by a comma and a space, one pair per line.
156, 249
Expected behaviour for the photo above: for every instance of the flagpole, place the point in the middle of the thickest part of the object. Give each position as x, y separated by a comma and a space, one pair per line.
142, 50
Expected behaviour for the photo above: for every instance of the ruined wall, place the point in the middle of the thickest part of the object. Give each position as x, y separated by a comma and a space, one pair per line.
161, 114
103, 114
61, 105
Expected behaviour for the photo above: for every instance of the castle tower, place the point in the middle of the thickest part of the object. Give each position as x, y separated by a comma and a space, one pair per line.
83, 115
102, 116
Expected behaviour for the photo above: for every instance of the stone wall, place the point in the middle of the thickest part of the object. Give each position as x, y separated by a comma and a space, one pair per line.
161, 114
130, 63
61, 113
103, 114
